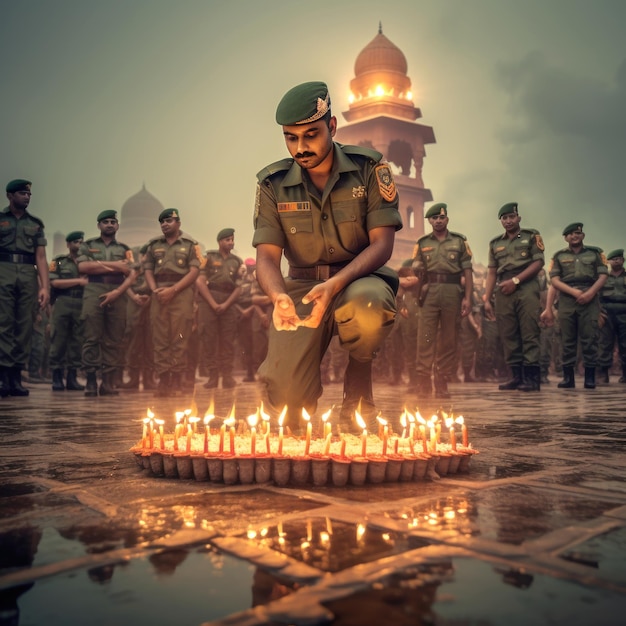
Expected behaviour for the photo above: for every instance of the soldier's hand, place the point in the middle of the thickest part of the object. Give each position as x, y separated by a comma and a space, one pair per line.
584, 298
320, 296
507, 287
109, 297
466, 307
284, 314
489, 314
547, 317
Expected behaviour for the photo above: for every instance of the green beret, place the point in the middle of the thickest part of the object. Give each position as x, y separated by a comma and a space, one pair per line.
509, 207
572, 227
225, 232
437, 209
169, 213
615, 253
303, 104
107, 215
74, 235
19, 184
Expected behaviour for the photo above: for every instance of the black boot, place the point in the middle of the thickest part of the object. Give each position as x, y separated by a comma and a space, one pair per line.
515, 381
4, 382
467, 375
163, 387
15, 382
72, 383
175, 384
531, 375
568, 381
590, 378
133, 383
91, 388
441, 386
623, 377
212, 382
357, 393
423, 388
57, 380
107, 386
603, 378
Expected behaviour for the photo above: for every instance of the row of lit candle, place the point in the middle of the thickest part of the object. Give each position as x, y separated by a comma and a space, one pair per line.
187, 424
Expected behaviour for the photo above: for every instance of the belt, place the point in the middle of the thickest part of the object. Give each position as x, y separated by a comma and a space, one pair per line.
317, 272
167, 277
116, 279
17, 257
510, 274
436, 277
222, 288
63, 294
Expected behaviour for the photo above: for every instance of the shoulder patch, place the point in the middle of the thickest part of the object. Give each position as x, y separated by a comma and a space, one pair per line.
539, 241
386, 184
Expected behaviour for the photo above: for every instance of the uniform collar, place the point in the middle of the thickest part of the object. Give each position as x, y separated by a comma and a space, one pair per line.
341, 163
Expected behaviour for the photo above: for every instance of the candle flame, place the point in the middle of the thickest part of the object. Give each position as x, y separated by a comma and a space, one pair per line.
381, 421
252, 420
403, 419
208, 417
187, 412
449, 422
179, 416
230, 421
305, 415
359, 420
459, 419
326, 415
434, 419
283, 414
265, 416
147, 420
232, 413
160, 422
211, 409
419, 418
150, 414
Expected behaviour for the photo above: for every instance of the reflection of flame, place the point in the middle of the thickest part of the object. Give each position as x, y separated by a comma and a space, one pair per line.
360, 531
251, 534
324, 537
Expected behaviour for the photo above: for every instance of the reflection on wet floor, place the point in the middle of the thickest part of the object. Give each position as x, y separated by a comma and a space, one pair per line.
331, 545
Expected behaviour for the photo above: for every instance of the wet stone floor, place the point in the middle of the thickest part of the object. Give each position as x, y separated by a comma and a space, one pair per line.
534, 532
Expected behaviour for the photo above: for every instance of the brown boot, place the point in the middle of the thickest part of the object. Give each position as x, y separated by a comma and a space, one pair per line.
72, 383
358, 394
107, 387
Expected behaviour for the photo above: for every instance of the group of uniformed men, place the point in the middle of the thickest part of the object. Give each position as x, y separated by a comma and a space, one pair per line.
332, 210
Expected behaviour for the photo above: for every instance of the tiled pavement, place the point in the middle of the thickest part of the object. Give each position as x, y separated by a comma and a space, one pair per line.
535, 533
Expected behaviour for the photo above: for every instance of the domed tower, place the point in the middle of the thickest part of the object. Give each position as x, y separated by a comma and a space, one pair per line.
381, 115
139, 218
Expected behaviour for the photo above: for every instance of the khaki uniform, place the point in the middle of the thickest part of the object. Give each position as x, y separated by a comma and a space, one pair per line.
104, 327
172, 322
218, 332
579, 321
66, 339
320, 233
19, 287
517, 314
613, 302
441, 263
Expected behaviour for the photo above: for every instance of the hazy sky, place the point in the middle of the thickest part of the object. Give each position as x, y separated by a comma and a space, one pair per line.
527, 100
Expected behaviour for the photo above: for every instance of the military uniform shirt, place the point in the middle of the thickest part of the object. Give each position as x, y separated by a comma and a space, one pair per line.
96, 250
614, 289
328, 228
513, 255
222, 273
578, 270
20, 235
64, 267
449, 256
170, 263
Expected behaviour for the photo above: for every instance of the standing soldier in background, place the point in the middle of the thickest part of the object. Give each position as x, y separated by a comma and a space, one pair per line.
171, 265
66, 340
441, 258
109, 266
408, 314
218, 289
515, 259
613, 301
24, 284
139, 350
578, 272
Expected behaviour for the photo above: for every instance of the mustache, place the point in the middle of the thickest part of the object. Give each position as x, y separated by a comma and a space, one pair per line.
302, 155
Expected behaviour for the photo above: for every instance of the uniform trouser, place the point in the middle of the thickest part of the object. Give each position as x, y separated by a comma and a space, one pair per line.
66, 337
362, 315
468, 344
171, 331
409, 328
139, 346
441, 310
613, 330
18, 304
518, 324
217, 336
245, 339
550, 349
103, 330
579, 322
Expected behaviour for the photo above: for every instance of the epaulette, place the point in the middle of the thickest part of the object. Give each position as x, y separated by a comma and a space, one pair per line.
496, 238
86, 241
534, 231
463, 237
273, 168
370, 153
188, 238
595, 249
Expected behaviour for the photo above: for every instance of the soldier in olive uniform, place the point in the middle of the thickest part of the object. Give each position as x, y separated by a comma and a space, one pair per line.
408, 314
578, 272
24, 284
219, 289
109, 266
333, 211
172, 265
515, 259
66, 341
613, 301
440, 259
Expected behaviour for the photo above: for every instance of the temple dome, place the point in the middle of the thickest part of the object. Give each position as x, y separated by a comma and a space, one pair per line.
380, 54
139, 218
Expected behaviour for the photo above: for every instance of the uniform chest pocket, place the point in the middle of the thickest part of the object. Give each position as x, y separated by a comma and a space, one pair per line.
295, 222
452, 255
7, 234
347, 217
181, 258
522, 252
